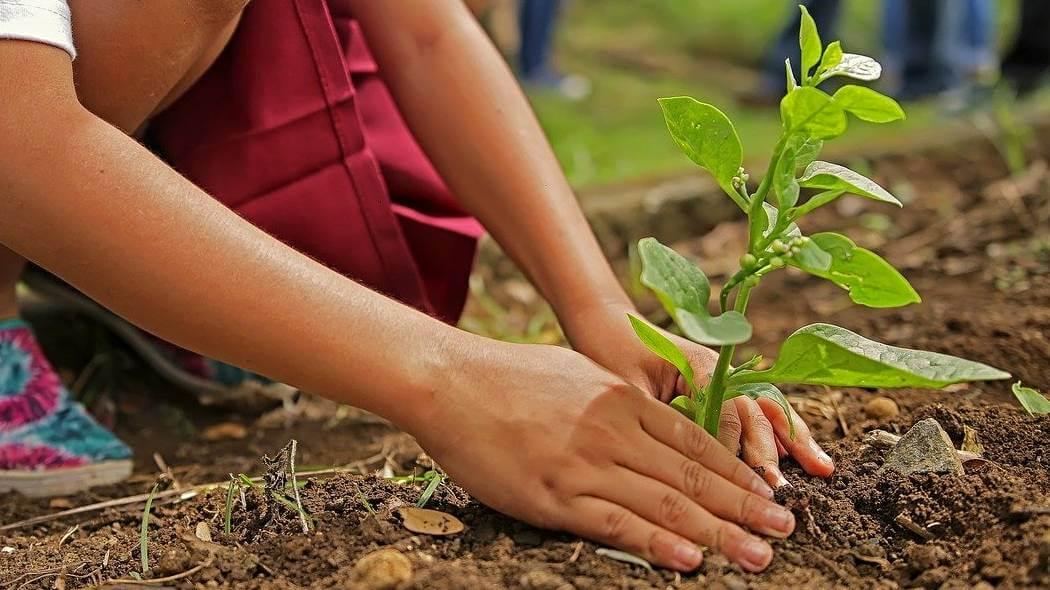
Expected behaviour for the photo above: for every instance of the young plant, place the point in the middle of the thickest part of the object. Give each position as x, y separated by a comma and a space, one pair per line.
818, 354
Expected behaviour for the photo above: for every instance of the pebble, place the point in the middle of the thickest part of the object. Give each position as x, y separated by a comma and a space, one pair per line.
225, 431
881, 407
384, 569
925, 448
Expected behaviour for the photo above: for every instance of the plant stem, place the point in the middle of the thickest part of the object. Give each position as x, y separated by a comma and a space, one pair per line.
717, 389
144, 531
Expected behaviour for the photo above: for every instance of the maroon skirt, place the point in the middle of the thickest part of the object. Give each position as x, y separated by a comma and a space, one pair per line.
294, 129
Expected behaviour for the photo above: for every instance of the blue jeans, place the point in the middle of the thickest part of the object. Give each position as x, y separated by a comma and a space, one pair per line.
825, 13
536, 21
933, 45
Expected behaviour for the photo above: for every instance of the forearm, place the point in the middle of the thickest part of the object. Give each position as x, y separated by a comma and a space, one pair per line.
479, 131
86, 202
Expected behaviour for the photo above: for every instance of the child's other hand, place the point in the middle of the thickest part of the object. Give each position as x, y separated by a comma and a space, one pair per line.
757, 431
544, 434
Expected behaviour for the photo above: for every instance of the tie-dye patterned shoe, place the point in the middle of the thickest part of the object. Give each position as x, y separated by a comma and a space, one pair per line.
49, 446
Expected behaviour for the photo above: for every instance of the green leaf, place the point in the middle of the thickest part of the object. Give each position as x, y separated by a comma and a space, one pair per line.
683, 290
832, 57
1034, 402
868, 278
852, 65
811, 258
806, 149
785, 185
662, 347
822, 354
678, 283
790, 75
757, 391
706, 136
868, 105
828, 176
730, 327
685, 406
812, 112
809, 43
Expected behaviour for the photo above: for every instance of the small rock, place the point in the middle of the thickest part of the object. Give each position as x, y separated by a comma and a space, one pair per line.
932, 578
543, 580
925, 557
881, 407
172, 562
925, 448
382, 570
225, 431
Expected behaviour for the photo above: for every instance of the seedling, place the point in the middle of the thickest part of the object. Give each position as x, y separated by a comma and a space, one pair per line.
818, 354
144, 530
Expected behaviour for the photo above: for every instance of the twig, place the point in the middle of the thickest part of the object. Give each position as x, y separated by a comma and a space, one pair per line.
911, 525
68, 534
184, 574
576, 552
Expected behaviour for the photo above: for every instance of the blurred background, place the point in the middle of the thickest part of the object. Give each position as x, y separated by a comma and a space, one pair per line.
594, 68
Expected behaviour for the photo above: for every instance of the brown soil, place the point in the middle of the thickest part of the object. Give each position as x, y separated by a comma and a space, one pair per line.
979, 252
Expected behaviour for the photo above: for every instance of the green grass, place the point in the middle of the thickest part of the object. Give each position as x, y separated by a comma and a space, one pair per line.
635, 52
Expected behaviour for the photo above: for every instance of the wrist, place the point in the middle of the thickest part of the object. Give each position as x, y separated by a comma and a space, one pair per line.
586, 327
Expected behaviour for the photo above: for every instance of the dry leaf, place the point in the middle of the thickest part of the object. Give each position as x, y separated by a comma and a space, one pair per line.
225, 431
203, 532
429, 522
970, 442
60, 503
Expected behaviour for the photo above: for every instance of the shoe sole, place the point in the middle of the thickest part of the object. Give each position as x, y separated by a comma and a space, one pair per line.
64, 481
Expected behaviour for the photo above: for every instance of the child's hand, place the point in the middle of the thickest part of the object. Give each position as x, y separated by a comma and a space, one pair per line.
545, 435
758, 431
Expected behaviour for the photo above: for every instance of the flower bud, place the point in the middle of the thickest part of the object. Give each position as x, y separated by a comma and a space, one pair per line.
779, 247
748, 261
776, 262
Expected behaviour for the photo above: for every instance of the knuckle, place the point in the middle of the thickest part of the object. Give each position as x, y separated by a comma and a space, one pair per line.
697, 441
673, 508
617, 521
697, 479
750, 510
731, 422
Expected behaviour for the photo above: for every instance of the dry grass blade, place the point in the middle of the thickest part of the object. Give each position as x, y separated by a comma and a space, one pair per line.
178, 495
165, 580
144, 530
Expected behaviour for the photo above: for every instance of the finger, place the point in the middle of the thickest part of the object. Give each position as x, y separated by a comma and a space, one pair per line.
706, 489
801, 446
781, 451
729, 428
678, 432
759, 441
611, 524
669, 508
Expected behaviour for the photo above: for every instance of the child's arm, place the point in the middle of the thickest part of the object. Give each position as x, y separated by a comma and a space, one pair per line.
83, 200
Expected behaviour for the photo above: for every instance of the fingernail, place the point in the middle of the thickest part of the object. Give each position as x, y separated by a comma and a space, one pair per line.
688, 556
757, 554
779, 480
821, 455
762, 488
780, 520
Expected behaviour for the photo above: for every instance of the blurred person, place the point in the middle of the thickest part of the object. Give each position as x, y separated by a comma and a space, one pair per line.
537, 23
1027, 61
770, 87
365, 135
939, 47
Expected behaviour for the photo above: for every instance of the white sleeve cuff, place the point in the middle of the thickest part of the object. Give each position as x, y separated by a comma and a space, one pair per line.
43, 21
